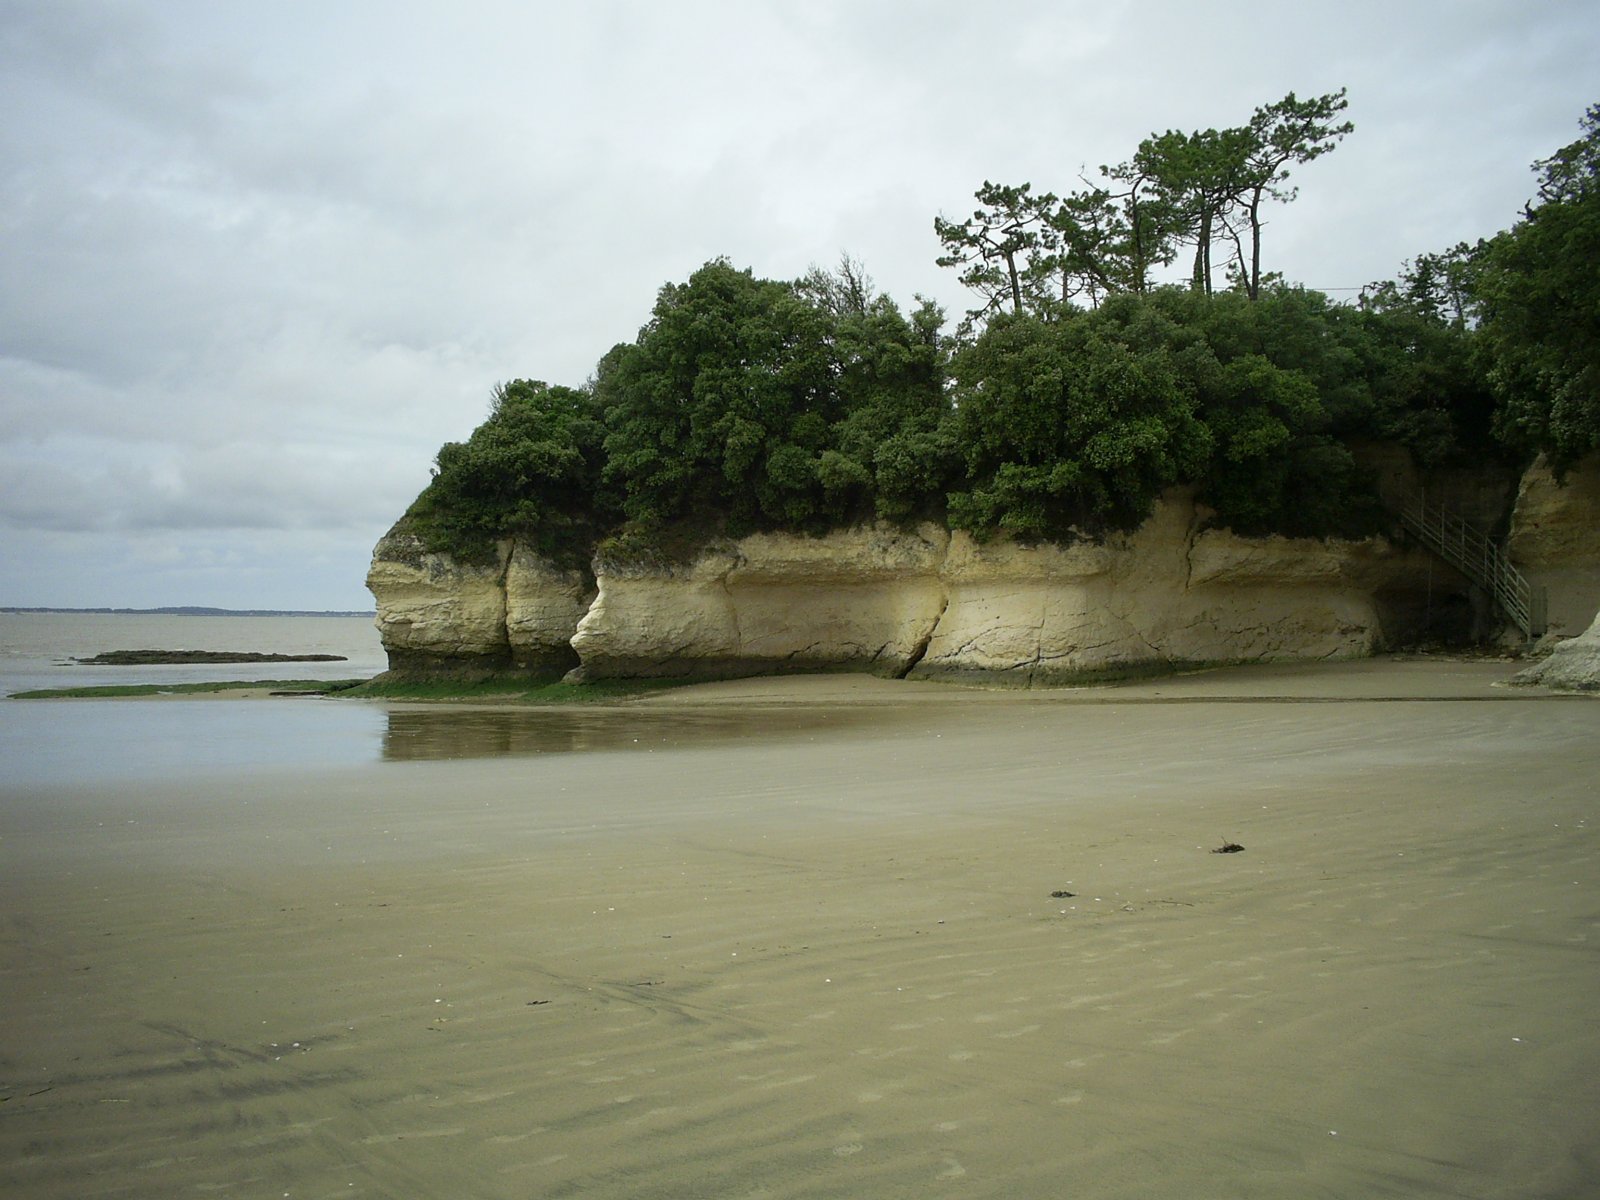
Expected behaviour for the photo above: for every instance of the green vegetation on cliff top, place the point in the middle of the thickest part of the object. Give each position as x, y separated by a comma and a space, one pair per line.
1076, 391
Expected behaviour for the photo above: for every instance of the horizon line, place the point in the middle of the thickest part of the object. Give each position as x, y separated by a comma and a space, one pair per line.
182, 610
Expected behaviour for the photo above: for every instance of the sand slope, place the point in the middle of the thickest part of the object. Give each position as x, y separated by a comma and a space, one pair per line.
817, 954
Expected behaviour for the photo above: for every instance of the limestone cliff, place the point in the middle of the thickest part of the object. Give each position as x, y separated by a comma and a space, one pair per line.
1551, 526
895, 601
1167, 592
860, 599
1555, 540
439, 615
544, 604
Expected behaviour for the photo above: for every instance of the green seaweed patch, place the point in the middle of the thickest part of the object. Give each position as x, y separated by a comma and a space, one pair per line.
512, 690
1065, 679
118, 691
1130, 672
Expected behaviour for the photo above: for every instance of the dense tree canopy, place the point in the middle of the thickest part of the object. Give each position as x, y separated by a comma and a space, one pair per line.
1538, 288
1064, 423
766, 403
748, 403
724, 403
533, 469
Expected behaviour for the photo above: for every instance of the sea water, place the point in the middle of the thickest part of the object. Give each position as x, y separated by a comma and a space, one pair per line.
47, 742
40, 650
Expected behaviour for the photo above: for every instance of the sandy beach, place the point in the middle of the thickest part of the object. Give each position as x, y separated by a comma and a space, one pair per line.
803, 938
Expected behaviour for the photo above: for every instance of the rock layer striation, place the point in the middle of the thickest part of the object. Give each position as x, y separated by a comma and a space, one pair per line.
1555, 539
1168, 592
922, 602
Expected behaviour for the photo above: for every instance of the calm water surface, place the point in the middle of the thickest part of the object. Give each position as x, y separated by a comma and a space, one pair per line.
46, 743
37, 649
71, 741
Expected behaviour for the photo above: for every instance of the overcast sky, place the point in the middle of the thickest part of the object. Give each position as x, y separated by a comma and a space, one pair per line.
259, 260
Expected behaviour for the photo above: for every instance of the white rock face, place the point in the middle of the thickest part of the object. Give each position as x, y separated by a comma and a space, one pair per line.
659, 621
437, 614
1012, 609
1573, 666
543, 605
859, 599
892, 601
1555, 540
1164, 593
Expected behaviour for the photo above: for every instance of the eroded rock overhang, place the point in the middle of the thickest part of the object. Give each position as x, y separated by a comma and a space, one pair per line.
893, 601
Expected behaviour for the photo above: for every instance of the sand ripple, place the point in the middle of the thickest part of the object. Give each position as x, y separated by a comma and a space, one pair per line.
832, 967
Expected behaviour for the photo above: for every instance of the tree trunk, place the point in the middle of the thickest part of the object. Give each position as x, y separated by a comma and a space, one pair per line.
1137, 230
1200, 277
1253, 284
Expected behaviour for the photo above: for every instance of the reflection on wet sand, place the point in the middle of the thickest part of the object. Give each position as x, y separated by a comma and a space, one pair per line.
415, 734
813, 960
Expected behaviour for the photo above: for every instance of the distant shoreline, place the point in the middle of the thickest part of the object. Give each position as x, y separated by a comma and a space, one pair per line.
195, 611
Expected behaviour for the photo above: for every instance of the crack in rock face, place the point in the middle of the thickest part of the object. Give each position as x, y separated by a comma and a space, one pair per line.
922, 603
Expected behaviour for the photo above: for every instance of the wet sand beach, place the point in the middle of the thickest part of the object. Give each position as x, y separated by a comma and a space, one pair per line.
798, 938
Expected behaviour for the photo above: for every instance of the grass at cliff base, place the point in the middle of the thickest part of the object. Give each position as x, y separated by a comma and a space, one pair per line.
510, 690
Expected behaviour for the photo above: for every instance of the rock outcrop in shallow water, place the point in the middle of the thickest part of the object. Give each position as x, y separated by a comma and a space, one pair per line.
922, 602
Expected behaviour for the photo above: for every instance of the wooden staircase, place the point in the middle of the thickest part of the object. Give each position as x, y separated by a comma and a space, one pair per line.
1476, 556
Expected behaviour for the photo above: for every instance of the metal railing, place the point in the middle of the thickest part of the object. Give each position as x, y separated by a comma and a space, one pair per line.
1476, 556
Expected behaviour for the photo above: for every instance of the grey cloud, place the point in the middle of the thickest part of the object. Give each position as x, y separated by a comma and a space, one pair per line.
302, 569
258, 262
126, 487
